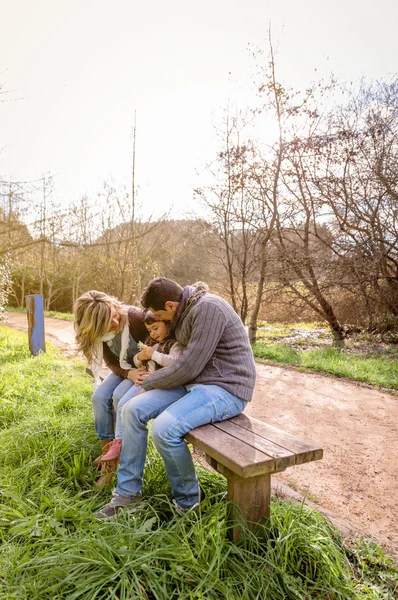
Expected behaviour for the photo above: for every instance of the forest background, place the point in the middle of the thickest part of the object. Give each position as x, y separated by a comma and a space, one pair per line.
303, 227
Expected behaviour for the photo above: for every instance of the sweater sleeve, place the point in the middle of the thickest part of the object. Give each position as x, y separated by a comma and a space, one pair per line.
207, 326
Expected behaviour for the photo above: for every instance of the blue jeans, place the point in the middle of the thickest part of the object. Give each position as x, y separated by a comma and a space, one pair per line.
105, 400
133, 391
175, 412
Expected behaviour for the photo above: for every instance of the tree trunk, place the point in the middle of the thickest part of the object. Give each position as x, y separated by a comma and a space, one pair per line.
259, 293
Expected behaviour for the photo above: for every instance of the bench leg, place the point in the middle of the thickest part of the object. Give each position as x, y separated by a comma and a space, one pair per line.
250, 499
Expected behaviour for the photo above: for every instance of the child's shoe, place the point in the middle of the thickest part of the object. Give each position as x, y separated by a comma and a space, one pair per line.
114, 451
105, 445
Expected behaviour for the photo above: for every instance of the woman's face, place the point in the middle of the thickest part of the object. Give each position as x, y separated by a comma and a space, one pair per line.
157, 330
115, 321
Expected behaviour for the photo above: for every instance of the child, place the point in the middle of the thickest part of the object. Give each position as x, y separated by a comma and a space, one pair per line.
161, 351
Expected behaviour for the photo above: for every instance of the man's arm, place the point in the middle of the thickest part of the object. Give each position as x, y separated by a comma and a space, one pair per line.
208, 323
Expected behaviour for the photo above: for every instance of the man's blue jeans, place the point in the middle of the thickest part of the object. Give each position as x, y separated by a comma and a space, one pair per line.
175, 412
105, 400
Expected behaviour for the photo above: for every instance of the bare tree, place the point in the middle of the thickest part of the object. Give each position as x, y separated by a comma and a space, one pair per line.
232, 212
359, 188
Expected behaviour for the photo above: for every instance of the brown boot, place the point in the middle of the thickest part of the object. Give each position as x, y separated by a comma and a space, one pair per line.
108, 470
105, 444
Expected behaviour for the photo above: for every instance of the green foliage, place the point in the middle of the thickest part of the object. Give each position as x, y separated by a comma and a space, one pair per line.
59, 315
375, 570
53, 548
281, 353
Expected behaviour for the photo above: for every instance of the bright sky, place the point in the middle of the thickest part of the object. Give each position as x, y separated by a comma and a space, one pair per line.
82, 67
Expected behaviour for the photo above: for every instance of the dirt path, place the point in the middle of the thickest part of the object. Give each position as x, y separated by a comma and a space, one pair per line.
357, 427
60, 333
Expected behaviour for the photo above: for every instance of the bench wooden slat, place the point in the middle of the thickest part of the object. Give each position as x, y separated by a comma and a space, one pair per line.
242, 459
283, 458
303, 451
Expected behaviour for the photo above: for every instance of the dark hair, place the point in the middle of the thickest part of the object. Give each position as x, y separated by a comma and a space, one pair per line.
159, 291
164, 346
149, 318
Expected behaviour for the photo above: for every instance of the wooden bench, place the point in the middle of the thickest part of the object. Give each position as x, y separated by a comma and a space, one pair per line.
247, 451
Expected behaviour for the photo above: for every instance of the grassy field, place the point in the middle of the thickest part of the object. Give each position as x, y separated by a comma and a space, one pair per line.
370, 359
53, 548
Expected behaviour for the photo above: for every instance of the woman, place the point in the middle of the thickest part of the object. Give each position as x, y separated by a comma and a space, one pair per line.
108, 330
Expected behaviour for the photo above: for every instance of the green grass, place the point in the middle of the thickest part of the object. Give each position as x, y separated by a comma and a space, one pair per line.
53, 548
47, 313
375, 370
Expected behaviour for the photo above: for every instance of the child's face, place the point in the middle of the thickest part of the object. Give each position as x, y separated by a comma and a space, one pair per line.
157, 330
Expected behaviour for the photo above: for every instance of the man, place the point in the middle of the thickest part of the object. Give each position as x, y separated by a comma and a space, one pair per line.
212, 380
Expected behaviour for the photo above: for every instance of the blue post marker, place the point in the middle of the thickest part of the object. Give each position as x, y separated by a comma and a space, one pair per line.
35, 307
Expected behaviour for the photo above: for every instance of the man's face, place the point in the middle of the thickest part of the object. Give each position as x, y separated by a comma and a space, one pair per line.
168, 313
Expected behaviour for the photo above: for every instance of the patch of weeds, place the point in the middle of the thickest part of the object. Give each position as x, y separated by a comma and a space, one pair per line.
376, 370
280, 353
58, 315
308, 495
293, 485
374, 569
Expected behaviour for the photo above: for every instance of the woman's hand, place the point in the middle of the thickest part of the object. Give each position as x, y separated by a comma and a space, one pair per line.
137, 375
145, 353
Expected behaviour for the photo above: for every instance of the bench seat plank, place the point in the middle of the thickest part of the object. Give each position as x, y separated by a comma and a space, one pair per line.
260, 443
239, 457
249, 448
303, 451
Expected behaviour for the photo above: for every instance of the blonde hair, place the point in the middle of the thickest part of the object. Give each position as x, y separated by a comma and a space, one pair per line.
93, 315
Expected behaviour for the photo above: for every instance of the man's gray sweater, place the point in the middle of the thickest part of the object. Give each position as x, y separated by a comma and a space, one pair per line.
216, 351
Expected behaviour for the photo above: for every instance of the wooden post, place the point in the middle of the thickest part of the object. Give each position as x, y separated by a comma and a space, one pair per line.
250, 500
35, 307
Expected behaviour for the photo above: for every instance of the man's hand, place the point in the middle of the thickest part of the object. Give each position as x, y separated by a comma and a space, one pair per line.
145, 353
137, 375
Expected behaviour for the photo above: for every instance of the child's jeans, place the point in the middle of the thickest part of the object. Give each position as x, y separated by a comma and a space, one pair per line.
105, 399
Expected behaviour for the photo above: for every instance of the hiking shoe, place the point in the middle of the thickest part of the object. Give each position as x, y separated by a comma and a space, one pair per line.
117, 503
182, 510
114, 451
